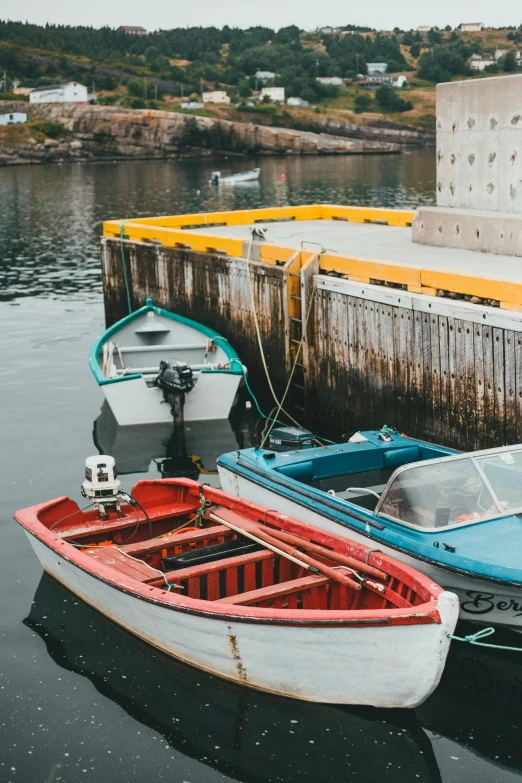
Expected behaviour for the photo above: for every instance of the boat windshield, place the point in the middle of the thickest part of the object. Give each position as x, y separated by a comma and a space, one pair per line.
455, 490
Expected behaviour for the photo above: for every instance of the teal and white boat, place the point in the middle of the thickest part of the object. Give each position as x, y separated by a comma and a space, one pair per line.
126, 360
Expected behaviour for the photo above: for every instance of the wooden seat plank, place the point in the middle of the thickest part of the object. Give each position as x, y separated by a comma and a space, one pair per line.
276, 591
111, 556
94, 526
218, 565
176, 539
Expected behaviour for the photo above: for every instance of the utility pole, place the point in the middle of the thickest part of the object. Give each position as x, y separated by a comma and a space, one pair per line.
145, 80
181, 92
156, 92
357, 63
5, 81
201, 86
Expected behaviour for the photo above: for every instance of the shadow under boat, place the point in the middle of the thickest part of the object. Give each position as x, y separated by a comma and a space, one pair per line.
191, 453
478, 703
248, 735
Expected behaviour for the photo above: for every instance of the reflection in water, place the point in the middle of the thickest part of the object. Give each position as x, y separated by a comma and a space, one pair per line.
52, 215
194, 456
249, 735
479, 700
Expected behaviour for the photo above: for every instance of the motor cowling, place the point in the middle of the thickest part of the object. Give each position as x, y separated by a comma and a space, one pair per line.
290, 439
174, 378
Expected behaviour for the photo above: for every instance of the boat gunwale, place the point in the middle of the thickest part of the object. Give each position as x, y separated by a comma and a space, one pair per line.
421, 614
149, 306
320, 507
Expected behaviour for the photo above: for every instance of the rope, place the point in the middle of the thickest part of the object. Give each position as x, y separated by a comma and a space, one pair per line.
475, 638
296, 360
258, 333
122, 230
204, 504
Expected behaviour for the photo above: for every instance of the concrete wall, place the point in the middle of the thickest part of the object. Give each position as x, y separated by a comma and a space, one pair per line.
479, 168
479, 144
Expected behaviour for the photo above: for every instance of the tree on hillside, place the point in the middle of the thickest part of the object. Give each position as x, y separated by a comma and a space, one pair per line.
389, 100
508, 62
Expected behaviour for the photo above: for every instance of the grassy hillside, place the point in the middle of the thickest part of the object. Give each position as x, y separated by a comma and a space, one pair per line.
161, 68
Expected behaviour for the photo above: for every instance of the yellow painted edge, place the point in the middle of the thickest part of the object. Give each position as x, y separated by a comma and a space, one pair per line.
393, 217
377, 270
485, 287
511, 306
422, 290
203, 243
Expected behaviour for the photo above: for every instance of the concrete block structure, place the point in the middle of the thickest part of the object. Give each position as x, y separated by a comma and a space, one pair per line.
479, 168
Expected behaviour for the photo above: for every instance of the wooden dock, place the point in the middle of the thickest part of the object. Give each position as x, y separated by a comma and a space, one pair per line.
427, 339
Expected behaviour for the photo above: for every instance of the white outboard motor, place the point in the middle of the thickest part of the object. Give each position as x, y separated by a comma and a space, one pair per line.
215, 177
101, 483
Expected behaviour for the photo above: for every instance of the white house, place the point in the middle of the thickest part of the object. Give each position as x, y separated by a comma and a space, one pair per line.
501, 52
274, 94
478, 63
399, 81
192, 105
295, 101
215, 96
471, 27
59, 93
16, 118
374, 68
334, 81
264, 76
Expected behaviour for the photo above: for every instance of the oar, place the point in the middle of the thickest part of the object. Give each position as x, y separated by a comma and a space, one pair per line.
263, 542
285, 550
337, 557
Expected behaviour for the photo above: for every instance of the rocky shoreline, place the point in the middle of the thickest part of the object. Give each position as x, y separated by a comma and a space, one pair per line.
110, 133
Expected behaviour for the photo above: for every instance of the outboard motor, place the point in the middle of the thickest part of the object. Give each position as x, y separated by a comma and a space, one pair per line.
215, 177
175, 379
101, 484
290, 439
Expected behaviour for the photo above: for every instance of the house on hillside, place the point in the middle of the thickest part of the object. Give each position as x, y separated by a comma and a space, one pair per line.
215, 96
424, 28
22, 90
295, 101
471, 27
129, 30
399, 81
371, 82
264, 76
274, 94
329, 30
15, 118
192, 105
501, 52
333, 81
60, 93
478, 63
374, 68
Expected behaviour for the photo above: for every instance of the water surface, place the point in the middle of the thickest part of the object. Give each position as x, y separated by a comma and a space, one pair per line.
81, 699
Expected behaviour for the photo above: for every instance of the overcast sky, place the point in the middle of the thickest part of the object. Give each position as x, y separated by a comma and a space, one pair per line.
307, 14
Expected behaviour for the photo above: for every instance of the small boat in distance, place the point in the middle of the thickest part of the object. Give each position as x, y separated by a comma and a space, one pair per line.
245, 593
454, 516
152, 353
233, 179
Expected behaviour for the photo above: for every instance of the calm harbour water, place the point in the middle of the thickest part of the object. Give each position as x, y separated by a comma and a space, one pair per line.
80, 699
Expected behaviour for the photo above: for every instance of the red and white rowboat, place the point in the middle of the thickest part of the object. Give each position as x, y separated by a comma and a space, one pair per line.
279, 605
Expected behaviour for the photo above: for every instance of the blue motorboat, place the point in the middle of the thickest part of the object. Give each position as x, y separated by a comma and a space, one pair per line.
457, 517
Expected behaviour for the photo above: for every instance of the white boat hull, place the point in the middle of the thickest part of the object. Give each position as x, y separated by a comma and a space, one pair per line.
481, 600
133, 402
386, 666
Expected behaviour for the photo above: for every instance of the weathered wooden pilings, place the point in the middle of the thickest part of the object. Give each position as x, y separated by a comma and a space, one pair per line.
446, 371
